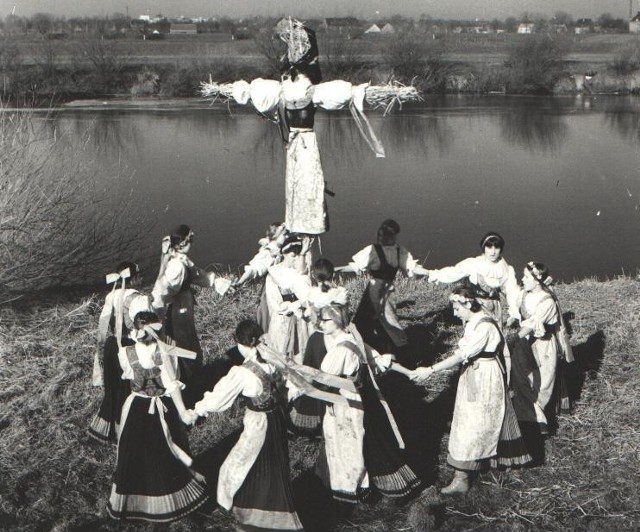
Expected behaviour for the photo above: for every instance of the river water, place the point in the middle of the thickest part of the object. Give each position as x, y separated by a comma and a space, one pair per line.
557, 177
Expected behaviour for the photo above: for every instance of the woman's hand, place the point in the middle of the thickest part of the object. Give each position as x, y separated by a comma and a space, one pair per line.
188, 417
421, 375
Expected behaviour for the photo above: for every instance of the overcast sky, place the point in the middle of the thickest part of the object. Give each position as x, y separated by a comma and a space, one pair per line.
368, 9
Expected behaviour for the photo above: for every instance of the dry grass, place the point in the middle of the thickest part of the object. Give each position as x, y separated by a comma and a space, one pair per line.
54, 479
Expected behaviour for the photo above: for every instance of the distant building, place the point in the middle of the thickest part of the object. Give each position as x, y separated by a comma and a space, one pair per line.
634, 24
387, 29
374, 28
560, 28
526, 28
183, 29
348, 26
583, 25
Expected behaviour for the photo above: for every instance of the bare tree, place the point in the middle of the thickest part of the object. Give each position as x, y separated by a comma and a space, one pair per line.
42, 22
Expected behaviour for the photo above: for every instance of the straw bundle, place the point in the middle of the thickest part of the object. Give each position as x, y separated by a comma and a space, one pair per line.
293, 34
217, 91
387, 95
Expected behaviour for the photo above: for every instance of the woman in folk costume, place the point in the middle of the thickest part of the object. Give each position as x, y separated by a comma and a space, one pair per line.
254, 481
286, 289
306, 413
172, 296
153, 480
116, 321
268, 255
362, 445
376, 317
541, 341
491, 273
484, 430
323, 291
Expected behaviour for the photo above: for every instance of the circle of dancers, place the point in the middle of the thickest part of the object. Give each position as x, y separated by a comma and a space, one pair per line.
302, 367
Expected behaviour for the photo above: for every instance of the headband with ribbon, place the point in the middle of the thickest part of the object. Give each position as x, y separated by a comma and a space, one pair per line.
152, 330
538, 275
459, 298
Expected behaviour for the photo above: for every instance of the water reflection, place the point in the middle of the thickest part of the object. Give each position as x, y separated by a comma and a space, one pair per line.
223, 173
531, 128
624, 119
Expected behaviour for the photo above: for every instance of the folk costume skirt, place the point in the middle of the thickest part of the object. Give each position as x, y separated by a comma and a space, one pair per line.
103, 426
181, 329
384, 460
306, 210
307, 412
151, 483
376, 318
255, 480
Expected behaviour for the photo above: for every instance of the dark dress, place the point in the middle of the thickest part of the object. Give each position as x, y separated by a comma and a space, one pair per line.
181, 328
153, 481
103, 427
370, 318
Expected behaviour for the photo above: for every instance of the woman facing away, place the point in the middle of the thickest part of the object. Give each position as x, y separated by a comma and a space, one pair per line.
286, 289
254, 481
541, 341
153, 480
114, 325
484, 429
376, 317
491, 273
173, 296
362, 445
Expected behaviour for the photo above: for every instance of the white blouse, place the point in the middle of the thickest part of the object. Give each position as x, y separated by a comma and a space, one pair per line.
497, 274
541, 309
169, 283
145, 353
478, 337
367, 259
239, 381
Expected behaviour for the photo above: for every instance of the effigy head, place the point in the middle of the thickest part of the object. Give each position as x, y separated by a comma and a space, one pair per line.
302, 50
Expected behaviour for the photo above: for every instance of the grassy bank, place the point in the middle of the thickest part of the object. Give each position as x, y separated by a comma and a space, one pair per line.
55, 479
38, 72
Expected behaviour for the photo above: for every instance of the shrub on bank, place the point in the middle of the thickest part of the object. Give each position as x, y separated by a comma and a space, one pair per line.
60, 222
534, 64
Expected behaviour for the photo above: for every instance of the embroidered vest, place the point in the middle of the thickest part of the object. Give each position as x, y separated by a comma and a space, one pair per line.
267, 400
146, 381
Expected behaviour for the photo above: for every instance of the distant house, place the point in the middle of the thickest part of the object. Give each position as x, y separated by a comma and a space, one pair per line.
526, 28
348, 26
374, 28
634, 24
183, 29
387, 29
583, 25
559, 28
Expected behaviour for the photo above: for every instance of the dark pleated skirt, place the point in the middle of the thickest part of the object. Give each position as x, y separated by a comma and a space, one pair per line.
265, 500
104, 424
371, 324
181, 328
150, 483
512, 449
523, 363
307, 413
384, 460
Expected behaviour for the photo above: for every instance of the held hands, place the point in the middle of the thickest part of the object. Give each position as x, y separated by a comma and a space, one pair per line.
188, 417
421, 375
